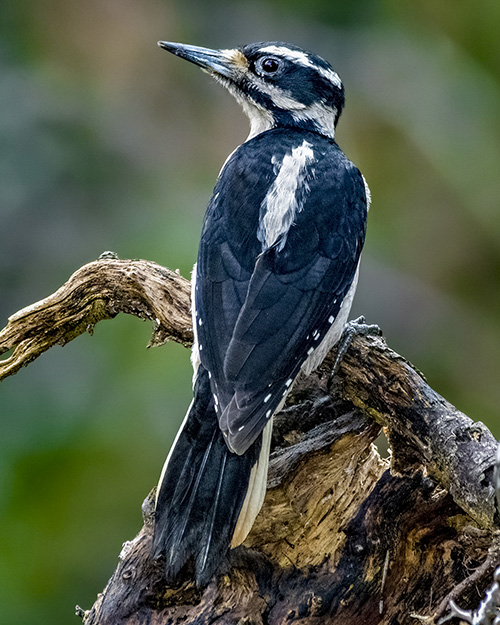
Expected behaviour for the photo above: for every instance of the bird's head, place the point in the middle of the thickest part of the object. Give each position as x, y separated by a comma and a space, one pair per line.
277, 84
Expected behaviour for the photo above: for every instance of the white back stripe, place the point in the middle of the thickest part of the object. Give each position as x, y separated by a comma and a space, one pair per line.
280, 204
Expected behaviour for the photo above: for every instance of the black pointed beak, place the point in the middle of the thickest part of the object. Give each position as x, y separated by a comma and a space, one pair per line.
222, 62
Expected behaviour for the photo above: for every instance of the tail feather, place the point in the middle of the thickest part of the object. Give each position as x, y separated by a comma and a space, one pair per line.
211, 523
201, 492
192, 490
256, 490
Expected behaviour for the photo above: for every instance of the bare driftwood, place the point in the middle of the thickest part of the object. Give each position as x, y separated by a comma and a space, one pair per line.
97, 291
344, 536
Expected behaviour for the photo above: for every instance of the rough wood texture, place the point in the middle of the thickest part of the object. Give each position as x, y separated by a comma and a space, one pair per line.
97, 291
423, 429
344, 536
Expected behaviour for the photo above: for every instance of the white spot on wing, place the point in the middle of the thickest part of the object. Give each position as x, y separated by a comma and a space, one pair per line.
267, 398
334, 331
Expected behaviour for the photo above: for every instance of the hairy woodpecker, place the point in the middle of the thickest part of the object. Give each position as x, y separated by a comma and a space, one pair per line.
272, 289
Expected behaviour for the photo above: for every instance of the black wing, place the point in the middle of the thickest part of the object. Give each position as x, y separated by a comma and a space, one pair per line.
261, 313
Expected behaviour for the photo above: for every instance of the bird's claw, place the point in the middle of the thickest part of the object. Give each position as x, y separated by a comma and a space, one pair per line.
356, 327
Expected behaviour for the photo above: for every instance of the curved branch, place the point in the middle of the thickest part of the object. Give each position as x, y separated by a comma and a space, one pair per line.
97, 291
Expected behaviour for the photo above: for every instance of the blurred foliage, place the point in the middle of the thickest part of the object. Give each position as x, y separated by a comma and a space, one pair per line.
106, 142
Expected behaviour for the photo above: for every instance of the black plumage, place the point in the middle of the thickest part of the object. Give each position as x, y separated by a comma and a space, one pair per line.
271, 300
276, 272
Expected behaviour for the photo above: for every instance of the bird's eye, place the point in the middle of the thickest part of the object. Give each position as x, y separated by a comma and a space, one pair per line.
268, 65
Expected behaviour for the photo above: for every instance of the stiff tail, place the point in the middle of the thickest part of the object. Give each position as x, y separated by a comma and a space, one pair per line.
202, 490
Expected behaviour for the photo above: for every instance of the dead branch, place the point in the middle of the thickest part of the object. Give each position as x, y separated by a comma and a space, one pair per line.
343, 537
98, 291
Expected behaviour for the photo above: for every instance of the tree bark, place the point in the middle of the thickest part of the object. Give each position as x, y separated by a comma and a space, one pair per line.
344, 536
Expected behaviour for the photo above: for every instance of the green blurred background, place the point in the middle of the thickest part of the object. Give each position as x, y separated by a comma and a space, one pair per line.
107, 142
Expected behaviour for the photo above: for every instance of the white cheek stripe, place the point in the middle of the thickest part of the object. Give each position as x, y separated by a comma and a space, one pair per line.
321, 115
280, 97
280, 204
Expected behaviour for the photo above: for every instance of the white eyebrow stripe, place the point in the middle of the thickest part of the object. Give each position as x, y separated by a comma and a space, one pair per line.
297, 55
303, 59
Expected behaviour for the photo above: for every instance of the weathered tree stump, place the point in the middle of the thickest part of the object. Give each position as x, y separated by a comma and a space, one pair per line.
344, 536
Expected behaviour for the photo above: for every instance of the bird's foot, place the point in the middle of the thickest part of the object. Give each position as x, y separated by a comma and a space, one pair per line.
356, 327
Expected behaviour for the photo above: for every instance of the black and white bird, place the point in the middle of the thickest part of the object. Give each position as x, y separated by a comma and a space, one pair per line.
272, 289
